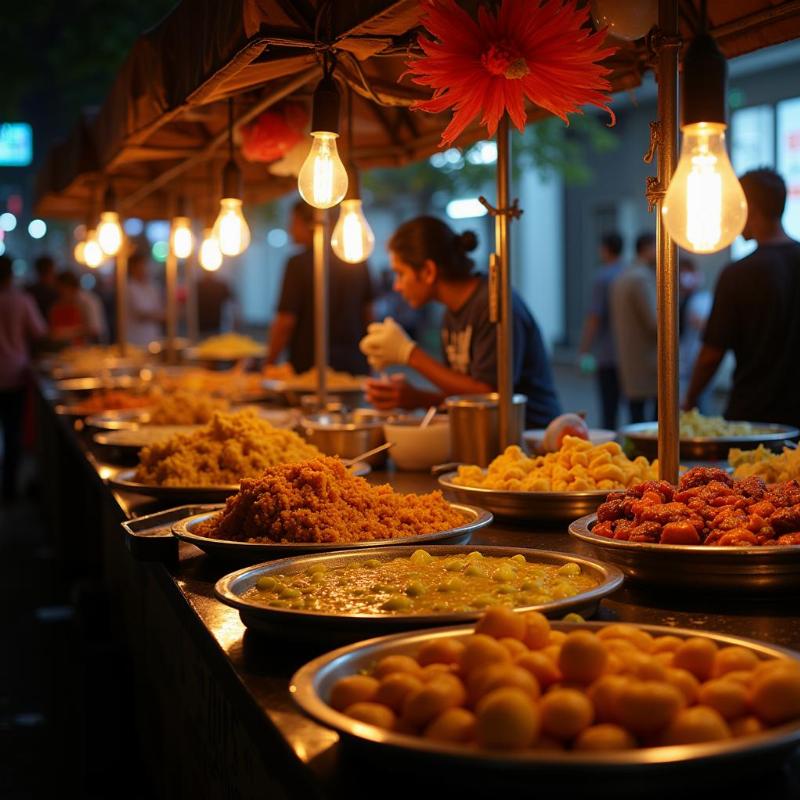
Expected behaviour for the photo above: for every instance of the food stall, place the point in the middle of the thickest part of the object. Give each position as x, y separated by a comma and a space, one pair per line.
213, 675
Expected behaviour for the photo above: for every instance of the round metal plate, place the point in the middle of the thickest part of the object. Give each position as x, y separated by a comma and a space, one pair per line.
697, 567
475, 518
322, 626
532, 506
644, 437
311, 686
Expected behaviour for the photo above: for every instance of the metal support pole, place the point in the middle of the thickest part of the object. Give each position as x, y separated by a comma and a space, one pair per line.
321, 272
190, 266
121, 299
667, 251
505, 343
172, 304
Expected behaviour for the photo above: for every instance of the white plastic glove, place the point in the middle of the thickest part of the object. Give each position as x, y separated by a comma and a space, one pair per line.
386, 343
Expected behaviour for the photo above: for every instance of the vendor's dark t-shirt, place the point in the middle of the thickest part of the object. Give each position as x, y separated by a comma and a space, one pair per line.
349, 292
756, 314
469, 341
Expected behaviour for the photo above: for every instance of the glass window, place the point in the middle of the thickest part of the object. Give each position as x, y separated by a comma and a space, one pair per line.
789, 161
752, 145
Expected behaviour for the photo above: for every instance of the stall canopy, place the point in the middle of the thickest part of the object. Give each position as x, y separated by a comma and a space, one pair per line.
162, 128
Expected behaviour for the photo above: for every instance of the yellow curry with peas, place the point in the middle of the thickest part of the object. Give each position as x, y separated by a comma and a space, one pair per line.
421, 584
578, 466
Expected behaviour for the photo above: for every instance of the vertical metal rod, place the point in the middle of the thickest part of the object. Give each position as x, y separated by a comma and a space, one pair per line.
505, 344
121, 299
667, 251
192, 272
172, 304
321, 271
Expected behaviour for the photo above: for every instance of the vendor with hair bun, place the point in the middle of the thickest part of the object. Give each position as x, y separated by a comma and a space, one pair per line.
431, 262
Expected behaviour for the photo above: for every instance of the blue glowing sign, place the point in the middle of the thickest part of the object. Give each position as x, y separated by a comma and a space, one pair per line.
16, 144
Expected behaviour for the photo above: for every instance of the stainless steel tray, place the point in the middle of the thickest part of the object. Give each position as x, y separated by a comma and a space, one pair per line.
533, 506
150, 538
137, 438
320, 626
85, 385
311, 685
130, 419
697, 567
291, 393
643, 436
124, 481
476, 518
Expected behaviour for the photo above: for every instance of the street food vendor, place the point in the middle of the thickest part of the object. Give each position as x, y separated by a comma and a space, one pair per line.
431, 262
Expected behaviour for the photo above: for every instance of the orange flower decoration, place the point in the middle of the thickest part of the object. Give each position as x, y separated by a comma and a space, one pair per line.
540, 52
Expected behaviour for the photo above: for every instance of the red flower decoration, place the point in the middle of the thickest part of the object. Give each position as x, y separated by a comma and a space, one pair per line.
272, 134
539, 52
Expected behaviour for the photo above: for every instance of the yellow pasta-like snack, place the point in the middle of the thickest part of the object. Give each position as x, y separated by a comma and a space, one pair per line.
773, 468
577, 467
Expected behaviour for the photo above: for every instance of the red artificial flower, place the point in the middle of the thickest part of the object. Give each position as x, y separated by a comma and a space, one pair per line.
541, 52
274, 132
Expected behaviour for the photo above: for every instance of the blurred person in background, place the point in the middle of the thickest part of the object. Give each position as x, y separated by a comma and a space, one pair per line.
350, 296
633, 319
213, 295
694, 306
94, 314
756, 315
68, 319
21, 326
43, 289
431, 262
597, 352
145, 303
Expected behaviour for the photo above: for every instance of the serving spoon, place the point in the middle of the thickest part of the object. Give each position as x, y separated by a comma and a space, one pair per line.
349, 462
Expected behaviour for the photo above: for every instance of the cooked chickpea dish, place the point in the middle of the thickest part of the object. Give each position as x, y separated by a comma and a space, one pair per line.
422, 584
578, 466
516, 685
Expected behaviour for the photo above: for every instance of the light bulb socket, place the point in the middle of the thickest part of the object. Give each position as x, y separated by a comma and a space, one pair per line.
353, 182
232, 180
325, 113
109, 199
705, 82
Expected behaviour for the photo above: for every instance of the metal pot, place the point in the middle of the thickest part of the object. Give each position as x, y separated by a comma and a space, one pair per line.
474, 422
342, 434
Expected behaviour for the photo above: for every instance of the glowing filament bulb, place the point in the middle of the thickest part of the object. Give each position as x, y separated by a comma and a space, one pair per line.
109, 233
210, 254
93, 255
352, 239
704, 208
181, 238
230, 229
323, 178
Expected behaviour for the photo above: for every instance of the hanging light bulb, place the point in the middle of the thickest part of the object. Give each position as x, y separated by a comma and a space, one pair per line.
625, 19
704, 209
181, 239
231, 229
109, 231
210, 255
323, 178
93, 255
77, 253
352, 239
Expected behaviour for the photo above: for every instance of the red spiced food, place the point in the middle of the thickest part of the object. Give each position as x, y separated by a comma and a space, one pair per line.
708, 508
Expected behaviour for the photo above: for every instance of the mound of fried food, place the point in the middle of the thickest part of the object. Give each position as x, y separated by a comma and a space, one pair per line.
112, 400
320, 501
229, 347
227, 449
709, 507
233, 384
772, 467
517, 685
183, 407
578, 466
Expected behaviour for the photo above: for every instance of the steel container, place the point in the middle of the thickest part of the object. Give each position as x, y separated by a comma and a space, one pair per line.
345, 435
474, 426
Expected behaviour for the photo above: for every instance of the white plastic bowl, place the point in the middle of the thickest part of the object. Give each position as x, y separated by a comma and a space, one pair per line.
418, 448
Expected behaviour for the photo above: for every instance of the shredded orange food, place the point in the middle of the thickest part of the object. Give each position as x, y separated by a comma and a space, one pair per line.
320, 501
